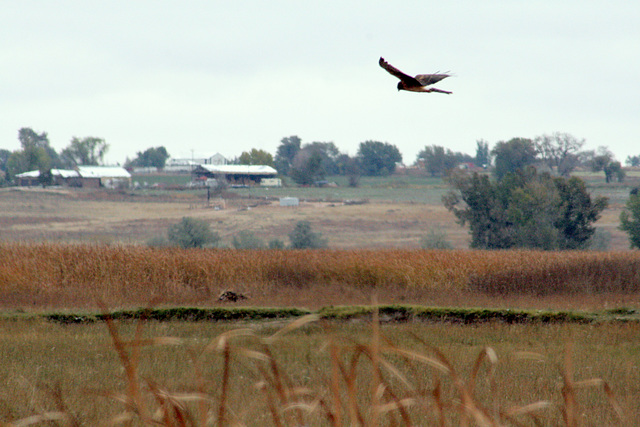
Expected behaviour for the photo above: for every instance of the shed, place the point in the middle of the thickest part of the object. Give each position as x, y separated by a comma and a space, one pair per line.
59, 176
83, 176
289, 201
104, 176
235, 174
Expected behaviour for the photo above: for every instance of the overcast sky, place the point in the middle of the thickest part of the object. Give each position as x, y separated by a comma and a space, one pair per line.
228, 76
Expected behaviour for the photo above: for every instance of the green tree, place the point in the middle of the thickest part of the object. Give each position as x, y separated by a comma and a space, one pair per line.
302, 237
532, 210
4, 158
378, 158
86, 151
525, 209
633, 161
154, 157
350, 167
287, 150
35, 154
577, 212
307, 167
16, 164
330, 155
433, 158
438, 160
192, 233
614, 170
483, 208
604, 160
256, 157
630, 219
31, 139
509, 156
483, 158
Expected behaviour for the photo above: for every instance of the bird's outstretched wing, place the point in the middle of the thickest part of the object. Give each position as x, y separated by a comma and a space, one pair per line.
411, 81
429, 79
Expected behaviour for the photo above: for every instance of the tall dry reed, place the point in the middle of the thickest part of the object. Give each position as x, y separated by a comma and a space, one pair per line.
32, 273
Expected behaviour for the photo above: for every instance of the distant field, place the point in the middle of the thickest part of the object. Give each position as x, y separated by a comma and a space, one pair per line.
399, 212
134, 217
392, 189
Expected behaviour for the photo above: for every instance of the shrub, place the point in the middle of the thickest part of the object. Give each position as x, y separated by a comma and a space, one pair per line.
435, 239
192, 233
303, 238
247, 240
630, 219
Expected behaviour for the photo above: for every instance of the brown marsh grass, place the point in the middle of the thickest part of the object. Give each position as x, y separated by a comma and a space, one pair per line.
36, 276
310, 373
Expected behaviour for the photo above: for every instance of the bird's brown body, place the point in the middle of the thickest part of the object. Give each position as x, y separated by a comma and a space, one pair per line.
418, 83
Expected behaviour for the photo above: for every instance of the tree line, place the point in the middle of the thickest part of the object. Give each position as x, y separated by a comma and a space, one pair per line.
558, 153
312, 162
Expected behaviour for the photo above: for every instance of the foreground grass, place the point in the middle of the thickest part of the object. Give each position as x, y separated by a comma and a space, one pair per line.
185, 373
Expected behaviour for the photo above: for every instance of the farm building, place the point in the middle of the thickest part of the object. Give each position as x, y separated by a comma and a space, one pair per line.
104, 176
59, 177
187, 164
235, 174
83, 176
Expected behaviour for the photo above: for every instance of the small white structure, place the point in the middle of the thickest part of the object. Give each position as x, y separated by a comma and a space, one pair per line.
289, 201
271, 182
104, 176
184, 164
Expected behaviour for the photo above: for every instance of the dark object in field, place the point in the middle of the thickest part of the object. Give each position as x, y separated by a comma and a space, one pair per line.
230, 296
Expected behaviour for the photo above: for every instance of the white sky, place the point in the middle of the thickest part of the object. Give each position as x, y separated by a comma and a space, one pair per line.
227, 76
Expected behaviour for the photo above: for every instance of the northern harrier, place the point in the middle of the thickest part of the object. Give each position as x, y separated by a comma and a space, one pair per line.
418, 83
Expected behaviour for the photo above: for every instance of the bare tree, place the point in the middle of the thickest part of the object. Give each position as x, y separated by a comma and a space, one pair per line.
559, 150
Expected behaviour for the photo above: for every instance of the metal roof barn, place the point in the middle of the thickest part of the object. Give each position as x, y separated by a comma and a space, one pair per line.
238, 174
84, 176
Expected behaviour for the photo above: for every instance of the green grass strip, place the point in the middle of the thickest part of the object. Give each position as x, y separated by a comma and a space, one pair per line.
387, 313
190, 314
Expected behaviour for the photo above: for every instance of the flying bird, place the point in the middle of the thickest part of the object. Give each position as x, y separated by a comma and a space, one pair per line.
418, 83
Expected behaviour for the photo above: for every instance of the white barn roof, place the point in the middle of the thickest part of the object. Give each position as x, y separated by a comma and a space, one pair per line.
103, 172
240, 169
64, 173
84, 172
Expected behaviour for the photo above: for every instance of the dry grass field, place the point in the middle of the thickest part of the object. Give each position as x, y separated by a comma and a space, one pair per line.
90, 216
106, 217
